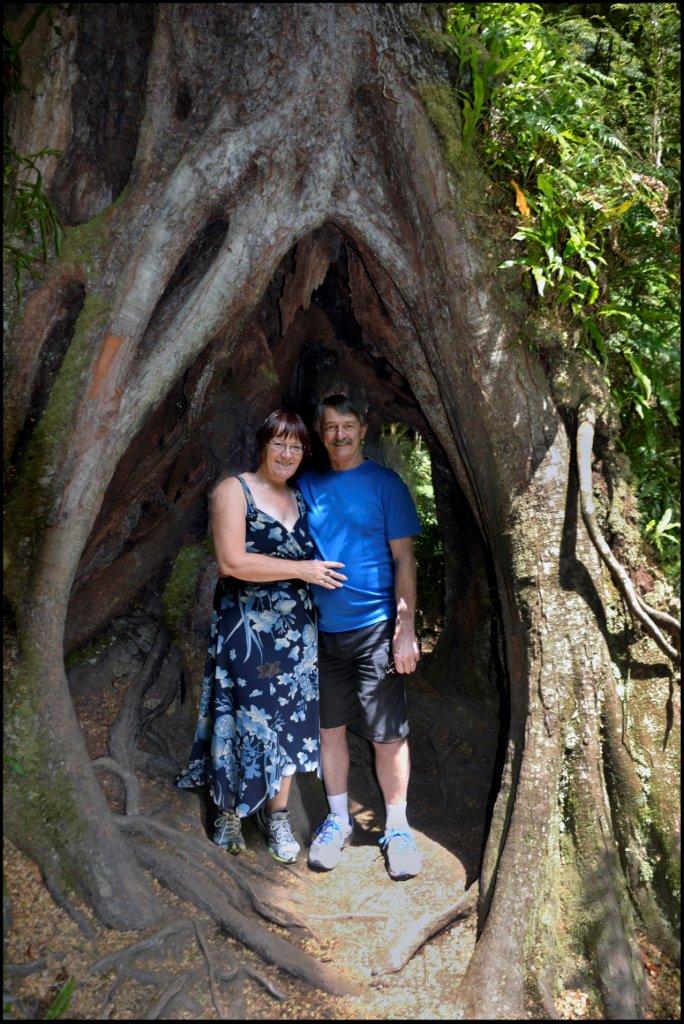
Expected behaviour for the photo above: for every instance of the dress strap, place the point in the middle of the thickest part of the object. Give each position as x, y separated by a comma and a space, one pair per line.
251, 504
301, 504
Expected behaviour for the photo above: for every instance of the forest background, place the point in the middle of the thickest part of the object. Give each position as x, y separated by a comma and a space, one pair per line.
573, 110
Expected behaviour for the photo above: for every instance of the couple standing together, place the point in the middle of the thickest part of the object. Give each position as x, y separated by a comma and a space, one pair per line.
347, 533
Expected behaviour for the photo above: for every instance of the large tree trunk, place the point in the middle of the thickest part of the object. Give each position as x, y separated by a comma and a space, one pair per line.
265, 128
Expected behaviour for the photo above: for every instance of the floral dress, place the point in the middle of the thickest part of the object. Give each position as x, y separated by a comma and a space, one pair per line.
258, 713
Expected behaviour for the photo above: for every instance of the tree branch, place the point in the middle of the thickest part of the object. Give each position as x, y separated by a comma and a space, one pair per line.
585, 443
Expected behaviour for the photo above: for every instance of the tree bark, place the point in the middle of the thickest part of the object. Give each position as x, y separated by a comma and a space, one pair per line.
260, 125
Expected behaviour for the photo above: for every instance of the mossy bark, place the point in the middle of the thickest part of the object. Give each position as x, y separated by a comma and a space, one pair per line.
55, 809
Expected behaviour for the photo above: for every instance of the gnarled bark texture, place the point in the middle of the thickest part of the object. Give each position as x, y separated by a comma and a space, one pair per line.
238, 160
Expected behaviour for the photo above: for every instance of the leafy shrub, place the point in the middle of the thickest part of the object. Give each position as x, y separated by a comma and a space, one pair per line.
404, 451
574, 111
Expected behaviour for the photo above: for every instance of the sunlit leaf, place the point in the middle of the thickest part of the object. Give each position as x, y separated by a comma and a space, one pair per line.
539, 278
520, 200
545, 185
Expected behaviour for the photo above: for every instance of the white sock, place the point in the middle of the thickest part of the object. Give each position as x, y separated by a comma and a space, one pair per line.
339, 805
396, 817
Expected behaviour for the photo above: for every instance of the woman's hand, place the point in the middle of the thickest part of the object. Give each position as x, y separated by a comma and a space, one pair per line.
323, 574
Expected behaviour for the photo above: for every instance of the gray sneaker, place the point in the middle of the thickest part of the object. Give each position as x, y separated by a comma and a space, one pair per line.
276, 827
228, 832
328, 842
402, 856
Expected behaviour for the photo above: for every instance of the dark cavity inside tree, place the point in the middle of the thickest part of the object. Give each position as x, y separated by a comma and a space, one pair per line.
288, 209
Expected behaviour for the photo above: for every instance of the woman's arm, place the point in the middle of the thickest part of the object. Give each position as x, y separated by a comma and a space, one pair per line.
227, 513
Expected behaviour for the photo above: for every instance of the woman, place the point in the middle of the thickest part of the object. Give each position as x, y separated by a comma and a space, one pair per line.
258, 714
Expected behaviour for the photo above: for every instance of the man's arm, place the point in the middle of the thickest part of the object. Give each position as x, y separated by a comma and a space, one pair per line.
404, 643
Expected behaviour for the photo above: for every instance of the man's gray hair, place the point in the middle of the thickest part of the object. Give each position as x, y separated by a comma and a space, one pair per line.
342, 404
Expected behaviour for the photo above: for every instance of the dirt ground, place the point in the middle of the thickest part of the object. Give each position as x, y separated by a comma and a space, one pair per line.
355, 913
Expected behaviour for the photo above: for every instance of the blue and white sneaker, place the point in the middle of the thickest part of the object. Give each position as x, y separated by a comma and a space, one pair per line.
282, 845
402, 856
328, 842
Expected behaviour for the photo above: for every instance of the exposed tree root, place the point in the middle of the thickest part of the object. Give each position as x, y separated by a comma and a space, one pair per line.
422, 929
131, 952
586, 417
235, 981
155, 765
229, 974
128, 727
211, 898
24, 970
215, 994
547, 1000
194, 846
170, 670
184, 1002
126, 970
613, 946
62, 901
628, 811
121, 975
349, 917
142, 976
175, 988
129, 779
265, 982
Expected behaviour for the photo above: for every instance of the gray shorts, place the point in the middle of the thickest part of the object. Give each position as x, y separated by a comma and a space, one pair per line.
359, 684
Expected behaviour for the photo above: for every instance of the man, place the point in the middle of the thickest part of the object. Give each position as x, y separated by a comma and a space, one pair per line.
362, 514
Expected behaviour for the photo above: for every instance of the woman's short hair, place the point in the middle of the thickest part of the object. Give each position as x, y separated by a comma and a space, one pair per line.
340, 403
282, 423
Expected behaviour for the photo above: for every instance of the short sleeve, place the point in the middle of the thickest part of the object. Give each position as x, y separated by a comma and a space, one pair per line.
401, 518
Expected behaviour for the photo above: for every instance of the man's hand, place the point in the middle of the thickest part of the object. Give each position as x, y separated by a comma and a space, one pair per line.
405, 650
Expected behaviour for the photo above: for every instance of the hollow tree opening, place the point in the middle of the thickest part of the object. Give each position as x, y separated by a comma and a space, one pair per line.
303, 342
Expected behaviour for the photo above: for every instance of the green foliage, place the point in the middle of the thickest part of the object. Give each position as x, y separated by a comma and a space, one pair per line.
60, 1004
31, 227
404, 451
12, 47
574, 112
14, 765
180, 591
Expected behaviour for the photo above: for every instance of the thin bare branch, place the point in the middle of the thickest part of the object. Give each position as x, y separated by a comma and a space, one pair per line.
585, 444
666, 620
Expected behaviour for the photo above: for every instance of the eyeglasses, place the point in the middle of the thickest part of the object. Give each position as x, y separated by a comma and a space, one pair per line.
280, 447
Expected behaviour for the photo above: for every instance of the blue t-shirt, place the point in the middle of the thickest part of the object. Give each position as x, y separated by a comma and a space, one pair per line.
353, 514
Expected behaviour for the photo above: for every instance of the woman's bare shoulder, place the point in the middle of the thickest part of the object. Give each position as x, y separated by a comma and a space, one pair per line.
226, 490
